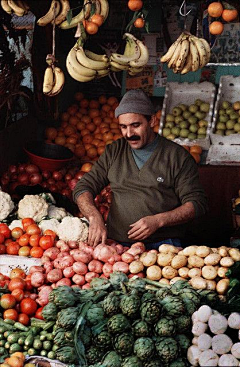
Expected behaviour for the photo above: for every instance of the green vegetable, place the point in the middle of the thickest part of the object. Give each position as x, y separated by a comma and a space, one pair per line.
94, 355
144, 348
118, 324
15, 347
130, 305
131, 361
150, 311
9, 321
183, 342
111, 303
51, 354
21, 340
167, 349
173, 306
180, 362
37, 344
13, 338
95, 314
112, 359
29, 340
20, 326
67, 354
32, 351
103, 340
44, 353
67, 318
63, 297
183, 323
50, 312
154, 363
47, 345
123, 344
117, 278
165, 326
141, 328
79, 327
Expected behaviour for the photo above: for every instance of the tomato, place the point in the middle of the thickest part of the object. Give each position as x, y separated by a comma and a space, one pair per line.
2, 249
18, 294
7, 241
5, 230
23, 318
46, 242
38, 314
36, 252
51, 233
27, 222
34, 240
12, 248
16, 283
28, 306
10, 314
24, 240
24, 251
2, 238
33, 229
7, 301
17, 273
16, 232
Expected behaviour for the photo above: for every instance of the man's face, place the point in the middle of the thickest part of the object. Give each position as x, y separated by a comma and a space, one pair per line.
136, 129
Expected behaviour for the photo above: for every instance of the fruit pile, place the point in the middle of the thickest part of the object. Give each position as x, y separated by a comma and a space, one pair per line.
224, 12
228, 121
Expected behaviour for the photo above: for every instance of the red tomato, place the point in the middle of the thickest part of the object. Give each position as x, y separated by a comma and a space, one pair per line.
46, 242
26, 222
23, 318
12, 248
2, 238
16, 283
33, 229
28, 306
24, 251
34, 240
28, 283
7, 301
11, 314
5, 230
17, 273
51, 233
2, 249
18, 294
38, 314
24, 240
16, 232
36, 252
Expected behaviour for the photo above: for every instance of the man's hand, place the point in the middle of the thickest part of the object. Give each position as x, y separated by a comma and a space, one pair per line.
143, 228
97, 231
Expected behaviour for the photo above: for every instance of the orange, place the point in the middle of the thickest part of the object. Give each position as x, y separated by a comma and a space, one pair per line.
117, 136
73, 120
216, 28
86, 167
104, 130
100, 150
80, 125
78, 96
196, 149
102, 99
107, 119
19, 355
229, 15
90, 27
70, 146
98, 136
110, 141
65, 116
93, 112
17, 273
91, 126
97, 120
71, 140
215, 9
83, 111
51, 133
135, 5
116, 131
139, 23
108, 135
94, 103
15, 361
69, 130
196, 157
112, 100
96, 142
72, 109
158, 114
85, 132
106, 108
84, 103
80, 151
92, 152
86, 119
97, 19
87, 138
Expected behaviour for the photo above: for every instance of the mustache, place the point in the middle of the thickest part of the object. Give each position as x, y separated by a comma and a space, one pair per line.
133, 138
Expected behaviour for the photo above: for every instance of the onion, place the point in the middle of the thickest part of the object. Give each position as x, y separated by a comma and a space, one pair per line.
31, 168
79, 175
68, 177
23, 178
12, 168
72, 183
53, 188
46, 174
21, 167
51, 181
66, 192
57, 175
36, 178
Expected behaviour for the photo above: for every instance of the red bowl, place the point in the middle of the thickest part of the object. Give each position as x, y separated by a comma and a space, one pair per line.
48, 157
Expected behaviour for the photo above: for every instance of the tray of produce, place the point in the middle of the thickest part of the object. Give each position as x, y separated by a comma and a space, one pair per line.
226, 119
187, 113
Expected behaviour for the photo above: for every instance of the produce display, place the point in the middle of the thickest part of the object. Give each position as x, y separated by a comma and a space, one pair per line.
228, 120
224, 12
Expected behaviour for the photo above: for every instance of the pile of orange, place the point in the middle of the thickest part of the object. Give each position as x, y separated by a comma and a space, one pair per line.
216, 10
195, 151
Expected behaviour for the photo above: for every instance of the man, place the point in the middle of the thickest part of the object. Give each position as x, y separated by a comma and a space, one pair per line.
154, 182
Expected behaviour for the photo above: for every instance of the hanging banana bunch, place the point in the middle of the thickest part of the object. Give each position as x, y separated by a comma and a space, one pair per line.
17, 7
187, 53
53, 80
57, 13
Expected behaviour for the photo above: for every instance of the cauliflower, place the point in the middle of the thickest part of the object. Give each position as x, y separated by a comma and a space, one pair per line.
72, 229
32, 206
15, 223
52, 224
6, 205
57, 213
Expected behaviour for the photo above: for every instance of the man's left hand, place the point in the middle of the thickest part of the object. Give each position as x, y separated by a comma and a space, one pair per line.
143, 228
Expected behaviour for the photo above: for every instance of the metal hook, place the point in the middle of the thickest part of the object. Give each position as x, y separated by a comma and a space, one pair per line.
184, 5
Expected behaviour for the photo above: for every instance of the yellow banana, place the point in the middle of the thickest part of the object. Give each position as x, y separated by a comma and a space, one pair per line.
144, 56
167, 57
78, 68
173, 60
117, 66
49, 16
188, 64
6, 7
88, 62
19, 11
102, 73
63, 13
78, 77
207, 48
183, 55
195, 55
48, 80
134, 71
59, 81
104, 9
96, 57
83, 14
203, 56
133, 54
23, 5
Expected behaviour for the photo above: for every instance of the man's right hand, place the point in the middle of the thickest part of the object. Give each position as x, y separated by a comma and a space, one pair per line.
97, 231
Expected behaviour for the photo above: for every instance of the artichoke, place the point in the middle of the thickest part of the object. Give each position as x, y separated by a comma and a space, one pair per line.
150, 311
153, 363
111, 303
172, 306
130, 305
208, 297
178, 287
165, 326
167, 349
123, 344
50, 312
131, 361
183, 323
148, 296
86, 336
163, 292
59, 337
103, 340
63, 297
118, 324
112, 359
66, 354
192, 295
116, 278
94, 355
67, 318
141, 328
183, 342
180, 362
95, 314
190, 306
144, 348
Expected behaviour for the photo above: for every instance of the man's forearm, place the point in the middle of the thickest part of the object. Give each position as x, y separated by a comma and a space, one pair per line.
180, 215
86, 205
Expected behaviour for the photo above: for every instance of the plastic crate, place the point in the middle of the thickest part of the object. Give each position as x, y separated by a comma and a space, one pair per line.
187, 93
229, 90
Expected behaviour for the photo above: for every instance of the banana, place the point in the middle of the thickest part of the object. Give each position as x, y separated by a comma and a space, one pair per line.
134, 54
80, 78
188, 64
172, 61
97, 8
195, 55
169, 54
183, 55
117, 66
59, 81
104, 9
88, 62
23, 5
19, 11
6, 7
207, 48
102, 73
63, 13
96, 57
49, 16
144, 56
48, 80
203, 56
83, 14
78, 68
134, 71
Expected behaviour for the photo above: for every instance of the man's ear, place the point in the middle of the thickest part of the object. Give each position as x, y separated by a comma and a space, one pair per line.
153, 120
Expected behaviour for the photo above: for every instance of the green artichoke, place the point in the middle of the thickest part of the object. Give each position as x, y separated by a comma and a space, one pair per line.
130, 305
118, 324
67, 318
66, 354
183, 342
63, 297
141, 328
150, 311
178, 287
116, 278
191, 294
144, 348
131, 361
148, 296
167, 349
123, 344
94, 355
59, 336
112, 359
86, 336
165, 327
172, 306
111, 303
95, 314
103, 340
153, 363
163, 292
50, 312
208, 297
183, 323
180, 362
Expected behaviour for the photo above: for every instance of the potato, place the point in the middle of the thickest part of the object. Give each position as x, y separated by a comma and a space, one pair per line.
209, 272
179, 261
226, 261
175, 279
149, 259
181, 252
195, 272
203, 251
222, 271
190, 250
136, 267
222, 286
165, 259
198, 283
212, 259
154, 272
214, 250
168, 272
195, 261
183, 272
235, 254
211, 285
168, 248
164, 281
223, 251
